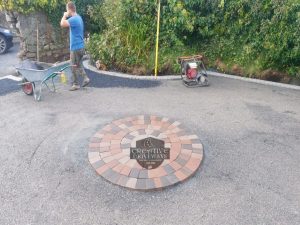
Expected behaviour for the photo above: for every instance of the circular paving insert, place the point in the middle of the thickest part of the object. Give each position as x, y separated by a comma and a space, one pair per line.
145, 152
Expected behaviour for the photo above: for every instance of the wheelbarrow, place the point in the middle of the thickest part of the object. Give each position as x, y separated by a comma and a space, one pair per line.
36, 75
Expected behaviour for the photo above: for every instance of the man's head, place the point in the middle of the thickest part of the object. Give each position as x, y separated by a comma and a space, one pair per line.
71, 8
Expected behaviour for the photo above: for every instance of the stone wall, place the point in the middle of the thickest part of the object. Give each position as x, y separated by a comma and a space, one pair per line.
52, 42
3, 21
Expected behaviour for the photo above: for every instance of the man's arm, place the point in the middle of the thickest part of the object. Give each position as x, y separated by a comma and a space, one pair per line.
64, 22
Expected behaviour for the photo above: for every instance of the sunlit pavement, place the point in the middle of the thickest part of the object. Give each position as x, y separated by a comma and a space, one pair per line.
249, 175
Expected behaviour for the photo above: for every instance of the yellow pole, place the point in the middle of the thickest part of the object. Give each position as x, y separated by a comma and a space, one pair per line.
37, 42
157, 38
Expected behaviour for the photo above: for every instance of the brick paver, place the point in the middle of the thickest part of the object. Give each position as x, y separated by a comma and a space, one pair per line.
109, 151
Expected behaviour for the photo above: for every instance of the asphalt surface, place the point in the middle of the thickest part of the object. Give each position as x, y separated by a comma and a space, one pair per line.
250, 173
9, 60
106, 81
7, 86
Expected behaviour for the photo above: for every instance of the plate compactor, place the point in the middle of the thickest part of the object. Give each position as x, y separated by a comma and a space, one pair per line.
193, 71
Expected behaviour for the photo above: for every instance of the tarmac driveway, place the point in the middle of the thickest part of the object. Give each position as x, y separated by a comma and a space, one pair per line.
9, 60
250, 173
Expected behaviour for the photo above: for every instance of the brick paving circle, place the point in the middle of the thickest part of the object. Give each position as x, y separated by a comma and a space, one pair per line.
109, 152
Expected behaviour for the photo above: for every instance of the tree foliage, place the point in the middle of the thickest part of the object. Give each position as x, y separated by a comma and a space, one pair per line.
54, 9
26, 6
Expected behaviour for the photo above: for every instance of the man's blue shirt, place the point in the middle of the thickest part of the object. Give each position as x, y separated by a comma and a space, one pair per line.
76, 33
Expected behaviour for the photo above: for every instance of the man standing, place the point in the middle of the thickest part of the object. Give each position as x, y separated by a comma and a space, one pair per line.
72, 20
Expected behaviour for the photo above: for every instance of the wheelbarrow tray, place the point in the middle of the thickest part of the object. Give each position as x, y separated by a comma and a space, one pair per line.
38, 73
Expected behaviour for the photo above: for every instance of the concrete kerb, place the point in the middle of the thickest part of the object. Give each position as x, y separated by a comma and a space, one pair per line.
177, 77
257, 81
123, 75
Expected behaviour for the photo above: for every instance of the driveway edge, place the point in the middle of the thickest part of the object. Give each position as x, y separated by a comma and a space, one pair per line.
177, 77
124, 75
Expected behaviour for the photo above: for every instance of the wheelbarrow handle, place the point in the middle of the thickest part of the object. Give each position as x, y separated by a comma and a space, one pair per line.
24, 83
67, 67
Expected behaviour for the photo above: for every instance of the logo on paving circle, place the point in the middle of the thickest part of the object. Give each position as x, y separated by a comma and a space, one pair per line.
150, 152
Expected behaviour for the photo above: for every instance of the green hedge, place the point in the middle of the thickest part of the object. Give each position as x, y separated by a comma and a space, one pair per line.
252, 35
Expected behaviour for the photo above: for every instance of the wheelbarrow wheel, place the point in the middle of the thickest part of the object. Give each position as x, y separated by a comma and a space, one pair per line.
27, 88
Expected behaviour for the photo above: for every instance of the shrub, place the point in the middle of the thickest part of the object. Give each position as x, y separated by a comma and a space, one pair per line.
129, 39
253, 36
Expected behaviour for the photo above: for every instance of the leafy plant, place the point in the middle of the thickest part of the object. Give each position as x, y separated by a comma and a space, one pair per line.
255, 35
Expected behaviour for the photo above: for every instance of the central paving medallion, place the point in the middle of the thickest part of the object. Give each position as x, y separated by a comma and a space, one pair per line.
150, 153
145, 152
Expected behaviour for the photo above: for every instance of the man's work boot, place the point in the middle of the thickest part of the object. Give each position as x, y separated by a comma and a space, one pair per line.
74, 87
86, 82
